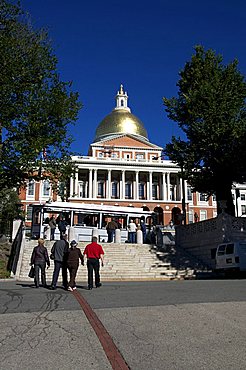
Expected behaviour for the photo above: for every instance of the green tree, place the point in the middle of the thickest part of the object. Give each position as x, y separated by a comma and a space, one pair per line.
210, 109
9, 209
36, 107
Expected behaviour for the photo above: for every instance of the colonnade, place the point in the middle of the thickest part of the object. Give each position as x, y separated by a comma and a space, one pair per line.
165, 190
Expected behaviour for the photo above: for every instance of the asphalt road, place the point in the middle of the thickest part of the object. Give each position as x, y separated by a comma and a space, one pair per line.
172, 325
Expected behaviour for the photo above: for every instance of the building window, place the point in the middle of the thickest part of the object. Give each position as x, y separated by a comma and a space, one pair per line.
31, 187
128, 190
141, 189
202, 197
100, 187
154, 191
29, 213
46, 188
189, 193
127, 156
100, 155
115, 189
139, 156
114, 155
203, 215
242, 196
82, 190
243, 210
190, 217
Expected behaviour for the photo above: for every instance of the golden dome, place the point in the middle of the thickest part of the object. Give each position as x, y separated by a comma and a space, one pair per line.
121, 120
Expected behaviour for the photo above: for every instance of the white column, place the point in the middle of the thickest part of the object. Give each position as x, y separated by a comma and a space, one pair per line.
76, 190
180, 189
71, 185
95, 184
164, 187
185, 186
90, 183
108, 191
147, 190
150, 185
123, 174
136, 185
168, 186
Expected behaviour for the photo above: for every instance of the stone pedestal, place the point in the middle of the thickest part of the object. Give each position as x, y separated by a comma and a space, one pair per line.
139, 237
71, 234
117, 236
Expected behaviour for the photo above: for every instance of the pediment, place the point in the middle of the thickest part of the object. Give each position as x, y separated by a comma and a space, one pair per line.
127, 141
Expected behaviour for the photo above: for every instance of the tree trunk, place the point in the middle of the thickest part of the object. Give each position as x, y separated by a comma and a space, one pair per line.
224, 199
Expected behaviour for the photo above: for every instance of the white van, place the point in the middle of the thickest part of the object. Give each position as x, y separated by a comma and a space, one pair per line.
231, 256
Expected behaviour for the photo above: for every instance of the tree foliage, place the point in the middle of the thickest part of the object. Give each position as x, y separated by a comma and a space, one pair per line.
210, 109
36, 107
9, 209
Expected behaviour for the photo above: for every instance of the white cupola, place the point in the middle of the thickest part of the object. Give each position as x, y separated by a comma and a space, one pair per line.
121, 100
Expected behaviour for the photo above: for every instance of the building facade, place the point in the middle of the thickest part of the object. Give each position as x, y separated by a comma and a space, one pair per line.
124, 168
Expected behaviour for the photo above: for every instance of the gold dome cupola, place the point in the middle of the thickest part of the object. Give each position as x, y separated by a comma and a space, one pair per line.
120, 120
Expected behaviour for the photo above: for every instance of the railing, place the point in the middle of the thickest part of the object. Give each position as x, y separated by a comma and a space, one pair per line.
15, 250
135, 160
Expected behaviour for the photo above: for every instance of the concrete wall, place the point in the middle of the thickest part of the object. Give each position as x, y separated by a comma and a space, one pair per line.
201, 238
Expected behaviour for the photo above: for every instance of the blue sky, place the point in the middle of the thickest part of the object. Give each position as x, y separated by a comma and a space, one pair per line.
142, 44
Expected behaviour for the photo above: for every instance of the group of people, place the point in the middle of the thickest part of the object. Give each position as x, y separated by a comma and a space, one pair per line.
67, 258
132, 230
59, 222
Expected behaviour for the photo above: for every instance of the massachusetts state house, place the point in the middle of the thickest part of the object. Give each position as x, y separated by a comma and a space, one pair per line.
123, 168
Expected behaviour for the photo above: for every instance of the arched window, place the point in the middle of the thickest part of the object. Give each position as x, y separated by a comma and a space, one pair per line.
122, 103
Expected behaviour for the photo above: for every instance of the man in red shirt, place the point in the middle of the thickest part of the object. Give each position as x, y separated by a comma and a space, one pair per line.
94, 253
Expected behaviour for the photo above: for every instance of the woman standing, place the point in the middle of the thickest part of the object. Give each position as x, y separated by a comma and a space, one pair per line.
73, 257
39, 259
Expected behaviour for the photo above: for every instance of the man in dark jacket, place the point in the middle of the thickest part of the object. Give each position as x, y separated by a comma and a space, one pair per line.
111, 227
58, 253
62, 226
39, 259
73, 256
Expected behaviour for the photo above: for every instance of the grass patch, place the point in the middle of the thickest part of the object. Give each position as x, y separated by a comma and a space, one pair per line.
3, 270
4, 256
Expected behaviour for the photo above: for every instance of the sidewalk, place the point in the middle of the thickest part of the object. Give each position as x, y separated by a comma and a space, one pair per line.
41, 329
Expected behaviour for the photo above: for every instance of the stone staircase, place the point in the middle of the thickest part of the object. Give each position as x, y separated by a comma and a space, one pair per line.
122, 262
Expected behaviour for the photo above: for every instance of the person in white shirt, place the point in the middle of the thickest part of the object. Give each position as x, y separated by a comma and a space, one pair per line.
132, 232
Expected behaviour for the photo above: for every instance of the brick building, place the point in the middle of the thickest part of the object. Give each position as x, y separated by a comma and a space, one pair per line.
124, 168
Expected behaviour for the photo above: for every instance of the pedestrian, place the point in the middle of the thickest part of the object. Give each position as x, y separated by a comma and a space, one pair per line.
196, 217
62, 226
143, 229
73, 256
94, 253
39, 259
52, 225
59, 254
111, 227
132, 232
